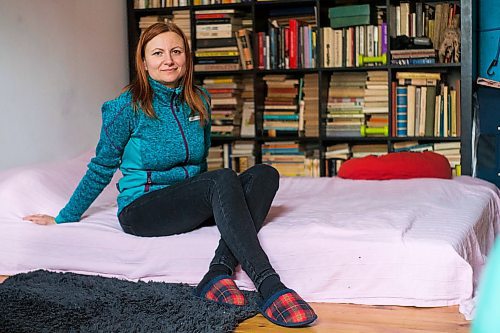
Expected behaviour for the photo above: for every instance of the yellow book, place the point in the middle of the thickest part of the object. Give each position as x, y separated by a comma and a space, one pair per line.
453, 94
221, 79
446, 127
418, 75
437, 116
216, 53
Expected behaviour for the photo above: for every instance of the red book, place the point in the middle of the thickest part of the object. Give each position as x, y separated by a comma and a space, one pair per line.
211, 16
294, 42
261, 42
393, 109
287, 47
220, 91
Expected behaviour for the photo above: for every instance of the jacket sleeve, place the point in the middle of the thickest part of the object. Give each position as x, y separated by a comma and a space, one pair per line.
115, 133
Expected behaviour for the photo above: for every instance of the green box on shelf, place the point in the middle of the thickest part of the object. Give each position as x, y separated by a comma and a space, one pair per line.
348, 16
345, 11
349, 21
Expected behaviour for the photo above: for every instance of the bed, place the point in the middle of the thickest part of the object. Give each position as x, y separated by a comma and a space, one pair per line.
417, 242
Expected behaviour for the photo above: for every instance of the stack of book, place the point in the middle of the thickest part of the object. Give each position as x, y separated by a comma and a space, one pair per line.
311, 166
285, 157
147, 21
215, 158
242, 156
226, 104
345, 104
309, 119
376, 102
182, 19
362, 150
335, 155
281, 109
412, 146
340, 151
248, 112
413, 57
216, 44
450, 150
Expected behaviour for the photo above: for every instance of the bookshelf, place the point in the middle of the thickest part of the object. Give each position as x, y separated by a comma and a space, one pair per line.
270, 15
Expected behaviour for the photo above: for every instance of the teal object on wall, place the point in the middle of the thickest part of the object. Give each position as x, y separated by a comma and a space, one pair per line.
489, 39
489, 14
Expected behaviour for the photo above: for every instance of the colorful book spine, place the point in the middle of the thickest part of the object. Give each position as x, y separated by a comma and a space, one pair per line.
384, 38
401, 111
294, 33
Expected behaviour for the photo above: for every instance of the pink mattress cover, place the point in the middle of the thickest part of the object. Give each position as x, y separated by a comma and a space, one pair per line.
417, 242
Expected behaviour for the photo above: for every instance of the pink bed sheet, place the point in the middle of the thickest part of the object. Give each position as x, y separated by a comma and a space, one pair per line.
417, 242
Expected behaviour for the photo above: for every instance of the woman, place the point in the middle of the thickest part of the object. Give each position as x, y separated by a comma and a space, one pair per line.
158, 133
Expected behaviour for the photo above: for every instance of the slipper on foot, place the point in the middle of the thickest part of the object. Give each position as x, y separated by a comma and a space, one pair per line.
286, 308
222, 289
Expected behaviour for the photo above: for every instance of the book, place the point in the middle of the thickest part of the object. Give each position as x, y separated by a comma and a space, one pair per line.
488, 83
216, 67
417, 82
246, 50
401, 111
418, 75
219, 42
429, 110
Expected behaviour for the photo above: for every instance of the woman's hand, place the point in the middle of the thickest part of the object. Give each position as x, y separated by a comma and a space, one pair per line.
41, 219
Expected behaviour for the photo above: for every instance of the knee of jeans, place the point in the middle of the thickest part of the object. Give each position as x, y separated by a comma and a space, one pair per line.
225, 174
270, 175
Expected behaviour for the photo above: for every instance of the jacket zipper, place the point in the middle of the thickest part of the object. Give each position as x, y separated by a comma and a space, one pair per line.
148, 182
172, 108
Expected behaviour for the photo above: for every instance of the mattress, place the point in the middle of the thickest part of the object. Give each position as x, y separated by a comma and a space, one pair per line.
416, 242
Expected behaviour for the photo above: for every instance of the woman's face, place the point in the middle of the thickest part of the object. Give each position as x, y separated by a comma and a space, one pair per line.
165, 58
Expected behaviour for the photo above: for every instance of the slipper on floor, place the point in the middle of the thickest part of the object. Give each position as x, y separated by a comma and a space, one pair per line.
287, 308
222, 289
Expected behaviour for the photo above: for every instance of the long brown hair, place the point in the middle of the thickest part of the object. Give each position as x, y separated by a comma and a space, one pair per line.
142, 93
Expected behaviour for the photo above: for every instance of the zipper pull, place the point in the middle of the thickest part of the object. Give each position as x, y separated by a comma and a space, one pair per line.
148, 182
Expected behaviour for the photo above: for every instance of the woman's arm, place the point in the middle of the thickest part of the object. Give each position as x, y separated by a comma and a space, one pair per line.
115, 133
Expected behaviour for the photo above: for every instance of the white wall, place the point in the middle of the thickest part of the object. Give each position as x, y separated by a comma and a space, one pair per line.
59, 61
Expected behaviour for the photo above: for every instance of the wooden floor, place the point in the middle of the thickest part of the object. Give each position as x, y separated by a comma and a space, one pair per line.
349, 318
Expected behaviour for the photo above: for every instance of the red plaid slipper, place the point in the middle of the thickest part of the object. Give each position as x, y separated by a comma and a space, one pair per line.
222, 289
287, 308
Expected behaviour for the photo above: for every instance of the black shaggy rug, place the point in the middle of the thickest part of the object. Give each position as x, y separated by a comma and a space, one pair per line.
43, 301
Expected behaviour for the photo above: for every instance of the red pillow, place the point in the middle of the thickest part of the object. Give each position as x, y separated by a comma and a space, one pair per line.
401, 165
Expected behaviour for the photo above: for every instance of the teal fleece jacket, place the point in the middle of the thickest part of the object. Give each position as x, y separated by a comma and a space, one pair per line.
151, 153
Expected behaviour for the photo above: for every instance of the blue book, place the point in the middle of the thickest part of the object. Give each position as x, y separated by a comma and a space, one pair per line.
281, 117
281, 151
401, 111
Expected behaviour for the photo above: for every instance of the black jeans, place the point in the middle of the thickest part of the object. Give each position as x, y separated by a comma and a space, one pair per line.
237, 204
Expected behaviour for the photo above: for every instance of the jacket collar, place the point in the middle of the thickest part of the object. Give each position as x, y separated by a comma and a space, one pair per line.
162, 92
